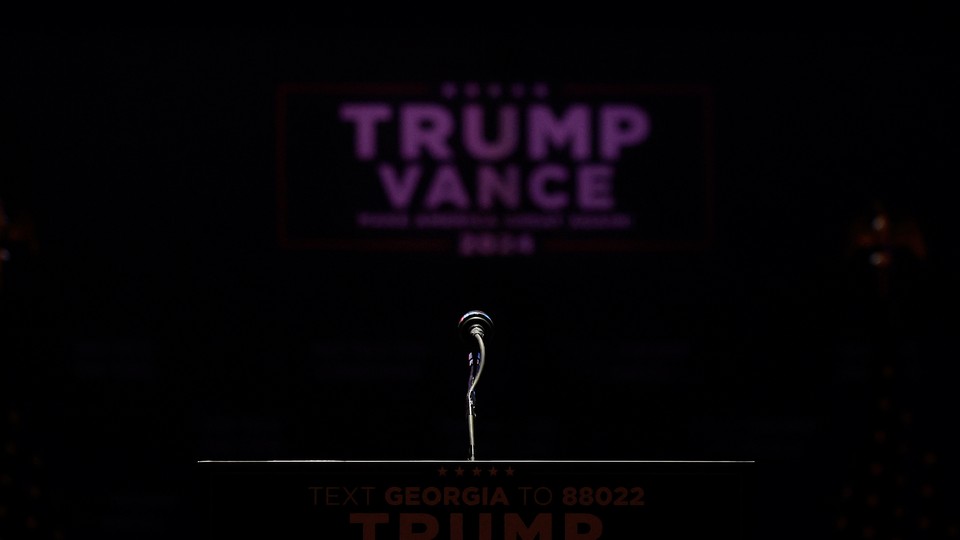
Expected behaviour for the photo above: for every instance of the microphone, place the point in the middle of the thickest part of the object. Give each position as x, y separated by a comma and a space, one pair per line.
475, 323
474, 326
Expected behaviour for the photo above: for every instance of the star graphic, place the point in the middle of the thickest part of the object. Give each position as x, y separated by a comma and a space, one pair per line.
442, 471
509, 471
459, 471
493, 471
477, 471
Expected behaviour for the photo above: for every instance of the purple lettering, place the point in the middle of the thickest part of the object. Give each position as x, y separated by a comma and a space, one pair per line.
447, 188
545, 130
365, 118
399, 189
493, 188
425, 127
595, 187
620, 126
538, 180
474, 128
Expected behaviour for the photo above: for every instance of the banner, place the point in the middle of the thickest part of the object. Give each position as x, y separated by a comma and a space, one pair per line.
494, 169
478, 500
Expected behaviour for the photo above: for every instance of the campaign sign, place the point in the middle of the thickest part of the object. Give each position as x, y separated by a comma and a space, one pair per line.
492, 169
478, 500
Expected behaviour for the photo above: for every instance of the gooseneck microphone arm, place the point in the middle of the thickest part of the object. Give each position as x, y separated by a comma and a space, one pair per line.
473, 326
476, 367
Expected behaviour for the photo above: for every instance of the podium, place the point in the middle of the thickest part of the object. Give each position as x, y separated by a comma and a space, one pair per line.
478, 500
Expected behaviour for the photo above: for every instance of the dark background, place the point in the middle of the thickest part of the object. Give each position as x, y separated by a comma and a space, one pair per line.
150, 319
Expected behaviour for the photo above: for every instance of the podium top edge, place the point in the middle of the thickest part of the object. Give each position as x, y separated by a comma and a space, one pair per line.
468, 461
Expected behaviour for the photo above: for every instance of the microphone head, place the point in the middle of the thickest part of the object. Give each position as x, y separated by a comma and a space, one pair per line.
475, 319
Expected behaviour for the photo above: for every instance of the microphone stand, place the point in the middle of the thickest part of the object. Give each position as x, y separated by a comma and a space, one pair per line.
475, 359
